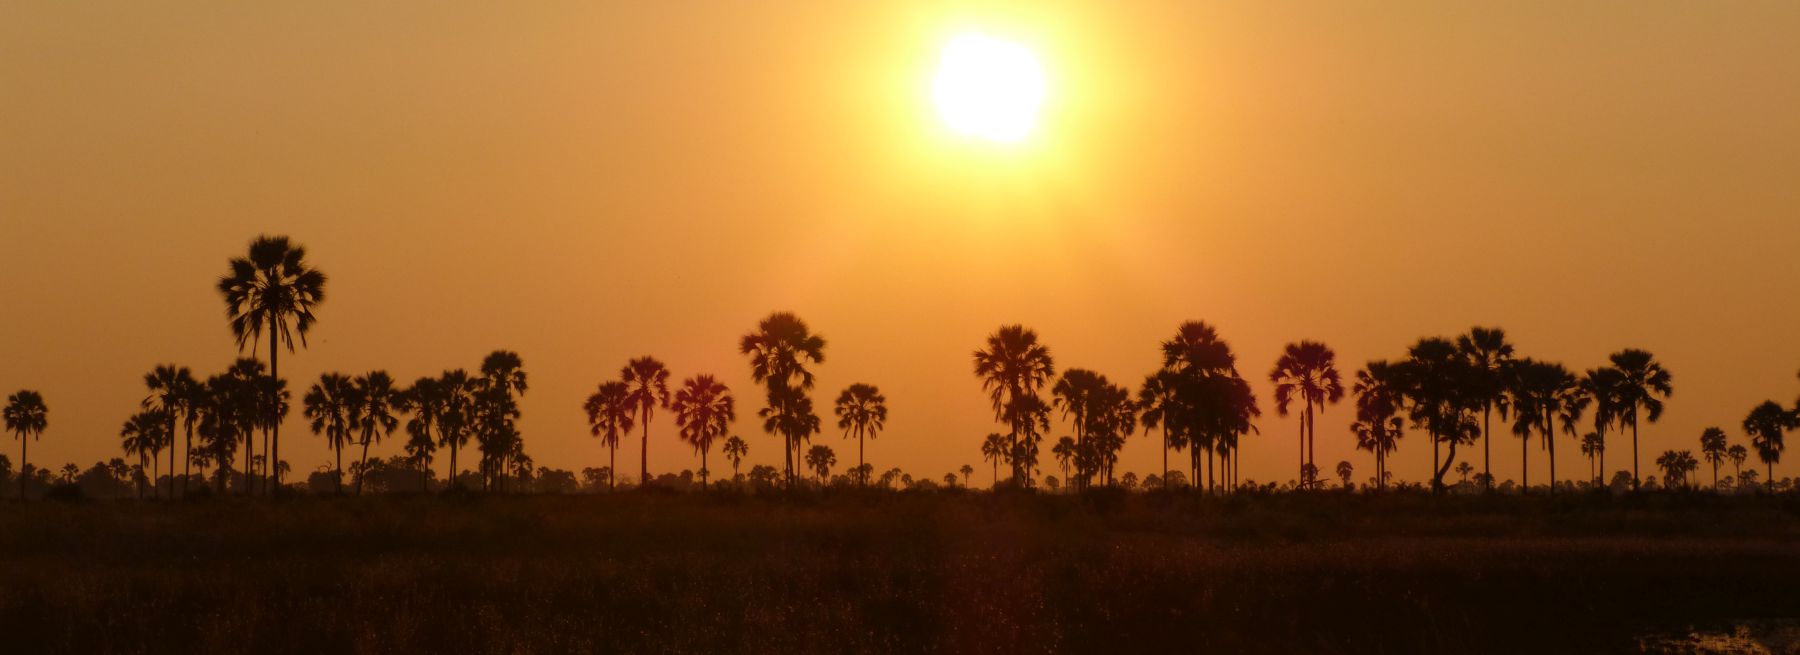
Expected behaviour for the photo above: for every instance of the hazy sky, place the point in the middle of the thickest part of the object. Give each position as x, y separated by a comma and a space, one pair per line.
584, 182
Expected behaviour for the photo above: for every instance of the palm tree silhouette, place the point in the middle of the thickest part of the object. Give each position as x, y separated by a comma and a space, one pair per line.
1076, 393
779, 350
820, 459
247, 386
496, 412
328, 406
1157, 404
861, 411
1538, 390
425, 400
1308, 370
1592, 446
647, 387
1345, 470
995, 449
376, 402
1065, 450
704, 410
1489, 355
1768, 425
140, 436
1737, 453
736, 449
270, 288
1013, 367
1603, 387
1641, 380
272, 408
966, 471
223, 419
458, 417
1463, 469
1380, 396
1436, 381
790, 414
1712, 447
26, 417
609, 418
169, 387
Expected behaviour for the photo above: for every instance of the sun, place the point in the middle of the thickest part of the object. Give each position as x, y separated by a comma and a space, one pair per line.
988, 88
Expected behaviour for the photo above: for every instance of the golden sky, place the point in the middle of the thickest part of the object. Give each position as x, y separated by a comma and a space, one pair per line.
584, 182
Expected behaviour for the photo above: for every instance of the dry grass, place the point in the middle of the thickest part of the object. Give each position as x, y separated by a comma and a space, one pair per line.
888, 572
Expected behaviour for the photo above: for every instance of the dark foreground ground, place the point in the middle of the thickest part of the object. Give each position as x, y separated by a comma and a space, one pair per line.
891, 572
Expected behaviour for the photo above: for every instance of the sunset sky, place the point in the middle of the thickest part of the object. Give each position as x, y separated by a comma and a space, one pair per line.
585, 182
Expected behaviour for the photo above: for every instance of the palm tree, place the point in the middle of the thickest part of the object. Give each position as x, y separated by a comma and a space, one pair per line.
1592, 447
1712, 447
1308, 370
495, 411
1065, 451
1157, 404
26, 417
139, 436
376, 402
1489, 355
426, 400
1676, 465
820, 459
459, 415
271, 409
1013, 367
647, 384
1378, 427
995, 449
328, 404
1603, 386
779, 350
704, 410
249, 384
1344, 471
1641, 381
1076, 393
862, 411
1435, 378
194, 397
270, 288
1768, 425
1737, 453
1463, 469
169, 395
609, 418
736, 449
966, 471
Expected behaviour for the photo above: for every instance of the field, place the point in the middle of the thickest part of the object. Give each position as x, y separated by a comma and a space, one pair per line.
882, 572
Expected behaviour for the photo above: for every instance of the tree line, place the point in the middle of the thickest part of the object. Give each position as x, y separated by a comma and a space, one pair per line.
1196, 401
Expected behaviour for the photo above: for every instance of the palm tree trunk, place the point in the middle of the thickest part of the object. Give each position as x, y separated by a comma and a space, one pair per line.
1311, 433
1715, 476
704, 474
24, 464
1525, 463
363, 466
187, 459
644, 454
268, 465
273, 451
1165, 476
140, 475
612, 467
338, 480
1550, 443
1487, 450
452, 483
1601, 430
859, 455
1634, 450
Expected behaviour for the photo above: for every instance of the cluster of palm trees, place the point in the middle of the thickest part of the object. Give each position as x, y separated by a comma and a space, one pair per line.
781, 351
227, 411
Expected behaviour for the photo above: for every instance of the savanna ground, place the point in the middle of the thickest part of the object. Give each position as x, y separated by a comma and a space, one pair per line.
879, 572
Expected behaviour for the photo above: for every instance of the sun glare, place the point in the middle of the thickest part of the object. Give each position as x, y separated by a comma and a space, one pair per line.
989, 88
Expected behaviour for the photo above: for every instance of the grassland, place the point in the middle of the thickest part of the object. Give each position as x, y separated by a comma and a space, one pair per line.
889, 572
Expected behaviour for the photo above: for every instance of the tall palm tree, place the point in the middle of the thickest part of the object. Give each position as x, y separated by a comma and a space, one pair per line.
458, 417
26, 417
496, 413
193, 398
862, 411
247, 376
1378, 428
995, 449
1737, 453
1768, 425
1572, 401
1013, 368
373, 413
1307, 370
1712, 447
609, 418
780, 350
790, 414
426, 400
328, 405
1489, 355
1603, 386
1205, 403
1158, 408
647, 387
704, 410
169, 387
1075, 392
1436, 378
1533, 395
1065, 450
1592, 446
820, 459
139, 436
1643, 384
736, 449
270, 289
272, 408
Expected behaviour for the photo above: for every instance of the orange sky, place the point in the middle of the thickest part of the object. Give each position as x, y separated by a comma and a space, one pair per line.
586, 182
